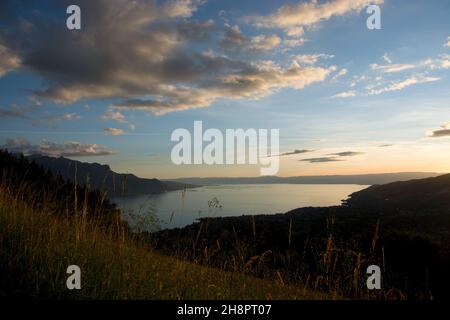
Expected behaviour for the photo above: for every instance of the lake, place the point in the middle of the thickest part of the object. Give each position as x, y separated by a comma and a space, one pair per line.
180, 208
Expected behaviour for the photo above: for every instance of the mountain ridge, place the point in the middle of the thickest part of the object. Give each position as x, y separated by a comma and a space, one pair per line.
362, 179
100, 176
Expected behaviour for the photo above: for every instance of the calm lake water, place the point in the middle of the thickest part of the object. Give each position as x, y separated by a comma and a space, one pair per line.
180, 208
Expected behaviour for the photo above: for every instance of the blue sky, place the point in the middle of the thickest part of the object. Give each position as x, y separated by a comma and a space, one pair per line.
114, 91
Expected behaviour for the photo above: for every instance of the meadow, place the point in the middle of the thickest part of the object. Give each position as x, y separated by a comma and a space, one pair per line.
40, 239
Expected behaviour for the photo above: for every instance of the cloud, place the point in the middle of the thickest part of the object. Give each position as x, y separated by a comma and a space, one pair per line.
444, 131
125, 48
310, 59
321, 160
235, 41
296, 151
385, 145
196, 30
66, 149
15, 111
256, 81
114, 115
443, 62
333, 157
448, 42
308, 14
65, 117
346, 154
386, 58
233, 38
340, 73
8, 60
114, 131
294, 42
139, 53
400, 85
295, 32
390, 68
346, 94
439, 133
265, 42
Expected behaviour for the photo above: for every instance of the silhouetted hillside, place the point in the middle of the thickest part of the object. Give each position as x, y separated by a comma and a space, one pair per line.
413, 195
39, 188
103, 178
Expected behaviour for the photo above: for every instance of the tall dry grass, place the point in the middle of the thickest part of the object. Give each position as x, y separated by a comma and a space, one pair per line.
37, 246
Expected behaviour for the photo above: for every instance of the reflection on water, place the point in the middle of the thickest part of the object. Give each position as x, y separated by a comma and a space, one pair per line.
179, 208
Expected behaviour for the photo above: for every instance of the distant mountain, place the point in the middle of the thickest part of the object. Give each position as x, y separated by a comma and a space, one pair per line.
362, 179
103, 178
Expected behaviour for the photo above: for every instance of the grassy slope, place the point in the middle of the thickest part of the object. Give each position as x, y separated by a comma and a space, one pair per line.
36, 249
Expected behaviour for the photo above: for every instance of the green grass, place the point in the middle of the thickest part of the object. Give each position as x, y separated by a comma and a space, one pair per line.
37, 247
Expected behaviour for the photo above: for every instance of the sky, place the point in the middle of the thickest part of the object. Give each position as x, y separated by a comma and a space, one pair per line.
346, 99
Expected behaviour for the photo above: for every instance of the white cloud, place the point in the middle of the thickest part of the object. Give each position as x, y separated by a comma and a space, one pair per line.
441, 62
65, 117
340, 73
265, 42
235, 40
311, 59
400, 85
444, 61
114, 131
386, 58
294, 42
179, 8
295, 32
448, 42
347, 94
114, 115
8, 60
390, 68
307, 14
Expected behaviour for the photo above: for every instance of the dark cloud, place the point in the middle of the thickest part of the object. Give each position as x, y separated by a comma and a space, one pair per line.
346, 154
296, 151
196, 30
140, 52
14, 111
439, 133
385, 145
321, 159
66, 149
444, 131
233, 38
